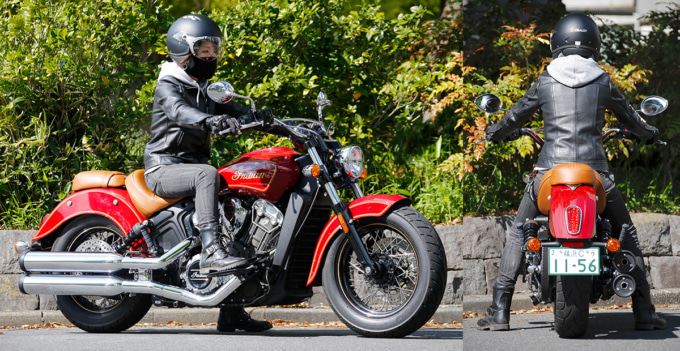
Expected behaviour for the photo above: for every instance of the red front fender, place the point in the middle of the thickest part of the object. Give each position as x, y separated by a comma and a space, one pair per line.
112, 203
367, 206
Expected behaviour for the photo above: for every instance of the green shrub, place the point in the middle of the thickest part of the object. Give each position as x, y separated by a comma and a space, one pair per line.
68, 72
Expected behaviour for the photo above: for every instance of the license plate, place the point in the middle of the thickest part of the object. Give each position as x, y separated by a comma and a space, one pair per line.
565, 261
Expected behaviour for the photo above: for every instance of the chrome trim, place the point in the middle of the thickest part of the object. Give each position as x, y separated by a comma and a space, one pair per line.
96, 262
47, 284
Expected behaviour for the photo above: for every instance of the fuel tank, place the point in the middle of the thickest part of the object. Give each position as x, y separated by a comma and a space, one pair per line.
265, 173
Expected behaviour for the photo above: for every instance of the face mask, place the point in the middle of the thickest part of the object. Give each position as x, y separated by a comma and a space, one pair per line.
202, 69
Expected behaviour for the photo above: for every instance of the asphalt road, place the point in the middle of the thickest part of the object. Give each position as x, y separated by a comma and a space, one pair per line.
205, 339
610, 330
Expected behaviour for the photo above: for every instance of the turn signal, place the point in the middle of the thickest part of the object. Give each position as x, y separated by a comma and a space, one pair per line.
533, 244
316, 170
364, 174
613, 245
343, 224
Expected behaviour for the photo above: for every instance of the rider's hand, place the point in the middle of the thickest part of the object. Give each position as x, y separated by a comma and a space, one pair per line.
266, 115
218, 124
514, 135
654, 138
490, 131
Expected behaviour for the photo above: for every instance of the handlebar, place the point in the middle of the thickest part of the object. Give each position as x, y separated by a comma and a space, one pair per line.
606, 135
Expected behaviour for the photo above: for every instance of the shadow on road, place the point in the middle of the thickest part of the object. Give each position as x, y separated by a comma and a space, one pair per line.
422, 334
618, 326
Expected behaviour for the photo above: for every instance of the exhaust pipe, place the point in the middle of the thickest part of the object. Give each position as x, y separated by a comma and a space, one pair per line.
49, 284
623, 285
95, 262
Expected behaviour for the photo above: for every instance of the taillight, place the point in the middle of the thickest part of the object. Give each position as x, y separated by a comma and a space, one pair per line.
574, 217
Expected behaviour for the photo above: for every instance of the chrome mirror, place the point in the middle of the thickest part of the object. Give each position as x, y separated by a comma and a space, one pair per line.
321, 102
489, 103
223, 92
653, 105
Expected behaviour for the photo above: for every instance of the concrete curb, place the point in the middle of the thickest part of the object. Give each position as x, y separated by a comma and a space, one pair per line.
521, 301
162, 315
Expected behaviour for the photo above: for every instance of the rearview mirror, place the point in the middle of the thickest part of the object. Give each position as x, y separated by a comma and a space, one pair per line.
653, 105
489, 103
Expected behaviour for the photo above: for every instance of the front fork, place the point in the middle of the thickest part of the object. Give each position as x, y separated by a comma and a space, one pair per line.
346, 221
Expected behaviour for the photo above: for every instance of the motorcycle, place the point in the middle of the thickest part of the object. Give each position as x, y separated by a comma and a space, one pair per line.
112, 249
571, 257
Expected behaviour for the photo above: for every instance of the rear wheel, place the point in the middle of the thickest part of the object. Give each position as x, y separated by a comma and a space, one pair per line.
571, 305
101, 314
409, 287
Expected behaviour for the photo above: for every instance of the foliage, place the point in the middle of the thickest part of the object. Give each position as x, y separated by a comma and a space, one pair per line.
67, 73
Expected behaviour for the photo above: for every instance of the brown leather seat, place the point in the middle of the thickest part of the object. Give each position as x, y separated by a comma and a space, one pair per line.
146, 201
98, 179
570, 174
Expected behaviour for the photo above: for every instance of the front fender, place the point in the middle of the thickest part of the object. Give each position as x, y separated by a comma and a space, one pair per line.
112, 203
367, 206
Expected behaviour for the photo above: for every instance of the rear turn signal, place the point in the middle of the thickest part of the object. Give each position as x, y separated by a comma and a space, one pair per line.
533, 244
613, 245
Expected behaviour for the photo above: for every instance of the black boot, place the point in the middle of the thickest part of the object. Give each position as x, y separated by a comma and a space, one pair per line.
233, 318
644, 312
498, 314
213, 256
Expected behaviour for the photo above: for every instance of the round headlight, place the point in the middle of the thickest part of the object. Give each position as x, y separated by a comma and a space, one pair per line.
352, 160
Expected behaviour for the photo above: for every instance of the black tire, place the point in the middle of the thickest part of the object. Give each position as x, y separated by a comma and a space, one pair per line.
98, 314
572, 305
402, 300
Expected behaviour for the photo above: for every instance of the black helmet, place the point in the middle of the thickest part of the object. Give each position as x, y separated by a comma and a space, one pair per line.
186, 35
575, 34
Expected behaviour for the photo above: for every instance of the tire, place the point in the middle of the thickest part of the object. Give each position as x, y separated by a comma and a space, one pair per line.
402, 300
98, 314
571, 305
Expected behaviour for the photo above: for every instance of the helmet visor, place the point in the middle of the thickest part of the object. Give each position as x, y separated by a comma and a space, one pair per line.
206, 48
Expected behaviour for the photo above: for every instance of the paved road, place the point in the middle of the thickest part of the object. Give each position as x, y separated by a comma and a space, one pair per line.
610, 330
205, 339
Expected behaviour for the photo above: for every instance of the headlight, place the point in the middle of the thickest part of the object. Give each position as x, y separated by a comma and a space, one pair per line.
352, 160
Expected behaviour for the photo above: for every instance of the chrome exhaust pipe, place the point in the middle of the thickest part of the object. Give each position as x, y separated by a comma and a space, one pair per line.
623, 285
95, 262
624, 261
49, 284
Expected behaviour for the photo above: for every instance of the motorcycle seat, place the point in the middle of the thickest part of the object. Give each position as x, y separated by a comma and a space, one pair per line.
98, 179
571, 174
143, 198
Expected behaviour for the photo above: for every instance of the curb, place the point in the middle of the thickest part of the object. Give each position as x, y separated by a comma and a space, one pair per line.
522, 300
163, 315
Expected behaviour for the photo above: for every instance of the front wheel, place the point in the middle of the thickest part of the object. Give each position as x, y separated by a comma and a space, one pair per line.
100, 314
410, 284
571, 305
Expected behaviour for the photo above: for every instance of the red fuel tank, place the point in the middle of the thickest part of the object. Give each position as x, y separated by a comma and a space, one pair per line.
265, 173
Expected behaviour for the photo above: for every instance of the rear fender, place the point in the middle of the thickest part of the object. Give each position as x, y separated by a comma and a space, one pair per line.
112, 203
365, 207
582, 200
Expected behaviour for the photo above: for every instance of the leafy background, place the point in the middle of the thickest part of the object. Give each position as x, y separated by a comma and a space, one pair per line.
77, 81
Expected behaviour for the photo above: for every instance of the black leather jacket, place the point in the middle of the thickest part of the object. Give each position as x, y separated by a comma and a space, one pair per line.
178, 134
573, 119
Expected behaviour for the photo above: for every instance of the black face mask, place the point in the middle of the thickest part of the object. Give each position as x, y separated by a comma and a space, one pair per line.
202, 69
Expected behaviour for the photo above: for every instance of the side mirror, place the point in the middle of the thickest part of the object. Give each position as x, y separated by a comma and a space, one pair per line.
223, 92
489, 103
653, 105
321, 102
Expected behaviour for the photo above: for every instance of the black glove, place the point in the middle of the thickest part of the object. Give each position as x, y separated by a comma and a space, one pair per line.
490, 131
217, 124
514, 135
654, 138
265, 115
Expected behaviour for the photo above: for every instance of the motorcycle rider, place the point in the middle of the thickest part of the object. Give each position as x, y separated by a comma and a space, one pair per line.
176, 158
572, 94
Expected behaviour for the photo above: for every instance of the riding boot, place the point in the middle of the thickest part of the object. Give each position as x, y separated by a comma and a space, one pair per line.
644, 312
213, 256
498, 314
233, 318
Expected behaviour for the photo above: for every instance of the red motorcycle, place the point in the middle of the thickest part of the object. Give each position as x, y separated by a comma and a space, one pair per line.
571, 257
112, 248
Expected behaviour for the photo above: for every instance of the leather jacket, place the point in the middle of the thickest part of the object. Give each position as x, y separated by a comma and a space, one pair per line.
180, 107
573, 116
